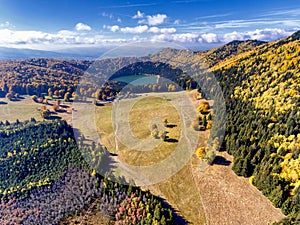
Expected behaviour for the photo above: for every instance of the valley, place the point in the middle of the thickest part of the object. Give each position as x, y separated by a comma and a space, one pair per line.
156, 152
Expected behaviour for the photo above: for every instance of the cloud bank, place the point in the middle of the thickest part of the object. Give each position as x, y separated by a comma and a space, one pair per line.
12, 38
82, 27
155, 28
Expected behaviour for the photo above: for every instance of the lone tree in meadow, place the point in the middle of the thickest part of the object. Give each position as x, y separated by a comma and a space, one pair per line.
155, 133
207, 154
165, 121
45, 113
163, 135
9, 96
67, 97
154, 126
203, 108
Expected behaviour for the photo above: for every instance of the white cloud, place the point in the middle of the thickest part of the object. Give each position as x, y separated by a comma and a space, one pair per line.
43, 40
186, 37
114, 28
156, 19
289, 12
176, 22
154, 30
66, 38
233, 36
161, 30
66, 33
255, 23
161, 37
6, 24
168, 30
82, 27
182, 38
109, 15
210, 38
135, 30
139, 15
141, 29
213, 16
150, 20
267, 34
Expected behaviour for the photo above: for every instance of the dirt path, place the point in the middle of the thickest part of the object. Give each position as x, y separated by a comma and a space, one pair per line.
229, 199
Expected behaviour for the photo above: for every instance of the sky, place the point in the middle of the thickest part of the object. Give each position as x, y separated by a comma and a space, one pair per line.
195, 24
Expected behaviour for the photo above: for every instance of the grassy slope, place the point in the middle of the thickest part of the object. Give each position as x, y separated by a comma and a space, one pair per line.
150, 109
179, 190
215, 196
25, 109
229, 199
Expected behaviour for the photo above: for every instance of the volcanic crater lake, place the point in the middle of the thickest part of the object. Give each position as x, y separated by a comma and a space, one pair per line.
137, 80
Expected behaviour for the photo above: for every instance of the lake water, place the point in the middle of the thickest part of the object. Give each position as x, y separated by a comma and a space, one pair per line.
137, 80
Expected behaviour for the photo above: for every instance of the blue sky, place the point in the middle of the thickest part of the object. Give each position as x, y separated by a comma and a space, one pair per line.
56, 24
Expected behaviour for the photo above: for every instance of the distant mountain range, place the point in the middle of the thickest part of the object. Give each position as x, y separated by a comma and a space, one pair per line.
80, 53
74, 53
90, 53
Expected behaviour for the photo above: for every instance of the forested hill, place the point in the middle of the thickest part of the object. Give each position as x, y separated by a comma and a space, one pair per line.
207, 58
35, 76
261, 88
231, 49
38, 76
54, 76
44, 178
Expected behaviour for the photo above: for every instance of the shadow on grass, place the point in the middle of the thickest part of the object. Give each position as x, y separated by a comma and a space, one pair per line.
99, 104
54, 118
108, 163
171, 125
220, 160
179, 219
171, 140
61, 110
64, 106
3, 103
15, 99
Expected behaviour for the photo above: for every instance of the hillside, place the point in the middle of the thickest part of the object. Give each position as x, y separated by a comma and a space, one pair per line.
261, 85
261, 88
56, 77
44, 179
36, 76
231, 49
205, 58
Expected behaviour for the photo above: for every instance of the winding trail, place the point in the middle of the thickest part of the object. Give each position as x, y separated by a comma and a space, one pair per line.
226, 199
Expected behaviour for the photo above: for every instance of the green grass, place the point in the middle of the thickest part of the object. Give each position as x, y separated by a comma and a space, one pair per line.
105, 127
179, 190
21, 110
144, 113
25, 109
182, 192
